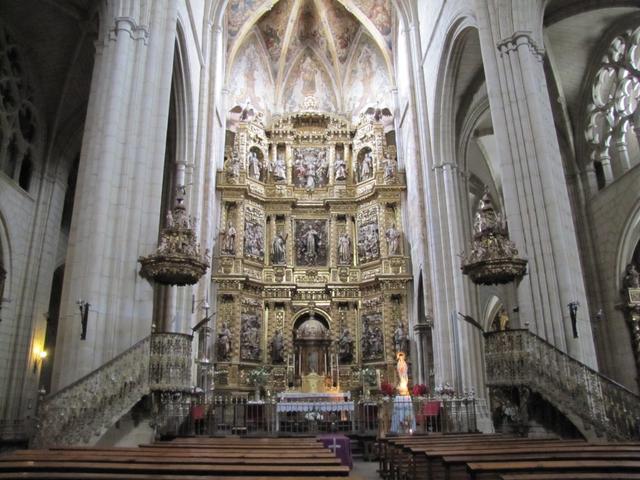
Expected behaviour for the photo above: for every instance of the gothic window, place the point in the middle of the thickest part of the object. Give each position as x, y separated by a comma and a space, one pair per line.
18, 119
613, 115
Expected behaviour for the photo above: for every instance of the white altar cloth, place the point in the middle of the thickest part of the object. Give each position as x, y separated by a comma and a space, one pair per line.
315, 406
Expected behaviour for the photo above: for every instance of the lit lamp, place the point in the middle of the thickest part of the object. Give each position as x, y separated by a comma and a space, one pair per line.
39, 360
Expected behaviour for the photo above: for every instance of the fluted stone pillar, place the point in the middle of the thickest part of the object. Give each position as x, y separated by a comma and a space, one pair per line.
117, 204
535, 191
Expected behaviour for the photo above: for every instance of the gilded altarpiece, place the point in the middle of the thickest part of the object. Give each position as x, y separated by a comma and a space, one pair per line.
310, 273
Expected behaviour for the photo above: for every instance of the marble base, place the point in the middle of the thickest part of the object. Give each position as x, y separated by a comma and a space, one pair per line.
403, 418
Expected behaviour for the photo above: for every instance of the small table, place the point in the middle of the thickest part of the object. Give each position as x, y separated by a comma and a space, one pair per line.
340, 445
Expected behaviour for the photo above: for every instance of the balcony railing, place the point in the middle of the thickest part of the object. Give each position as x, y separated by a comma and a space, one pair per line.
593, 402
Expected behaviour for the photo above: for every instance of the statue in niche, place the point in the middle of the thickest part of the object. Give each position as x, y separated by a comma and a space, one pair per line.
250, 337
389, 168
393, 240
344, 249
229, 240
279, 169
366, 167
277, 348
341, 168
224, 343
345, 346
400, 339
631, 277
254, 165
311, 241
232, 168
278, 250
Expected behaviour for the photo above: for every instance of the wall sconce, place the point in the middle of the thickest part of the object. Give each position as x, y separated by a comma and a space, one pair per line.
84, 317
40, 357
573, 313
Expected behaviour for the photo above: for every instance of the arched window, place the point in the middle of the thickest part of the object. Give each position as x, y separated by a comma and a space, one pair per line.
612, 127
18, 119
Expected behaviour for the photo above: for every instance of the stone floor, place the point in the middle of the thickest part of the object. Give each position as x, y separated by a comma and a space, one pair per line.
364, 470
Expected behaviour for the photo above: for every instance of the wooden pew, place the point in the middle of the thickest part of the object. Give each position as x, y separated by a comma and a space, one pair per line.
494, 470
571, 476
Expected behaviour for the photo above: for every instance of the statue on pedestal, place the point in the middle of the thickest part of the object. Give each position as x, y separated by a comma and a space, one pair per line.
393, 240
277, 348
345, 346
224, 343
278, 251
400, 340
344, 249
403, 375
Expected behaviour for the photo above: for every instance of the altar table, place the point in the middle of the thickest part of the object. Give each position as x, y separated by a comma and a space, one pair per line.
340, 445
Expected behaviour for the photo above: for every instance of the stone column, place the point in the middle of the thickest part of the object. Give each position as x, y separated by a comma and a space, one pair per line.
117, 204
535, 191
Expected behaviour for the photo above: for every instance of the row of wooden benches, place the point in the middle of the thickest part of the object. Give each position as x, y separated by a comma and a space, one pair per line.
181, 459
499, 457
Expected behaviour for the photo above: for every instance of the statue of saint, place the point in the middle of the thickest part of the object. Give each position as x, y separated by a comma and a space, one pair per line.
403, 375
393, 240
389, 168
400, 339
277, 348
366, 167
345, 346
344, 249
279, 169
224, 342
229, 240
253, 163
631, 277
278, 252
341, 168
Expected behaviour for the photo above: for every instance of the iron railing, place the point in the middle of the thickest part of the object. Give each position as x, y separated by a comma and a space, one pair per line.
520, 358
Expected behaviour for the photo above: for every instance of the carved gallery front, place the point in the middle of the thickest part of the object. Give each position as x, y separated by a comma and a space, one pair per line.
311, 273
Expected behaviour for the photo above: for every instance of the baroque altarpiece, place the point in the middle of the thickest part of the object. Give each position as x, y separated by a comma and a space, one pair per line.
311, 271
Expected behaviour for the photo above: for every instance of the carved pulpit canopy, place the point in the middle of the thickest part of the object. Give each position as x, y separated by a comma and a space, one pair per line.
494, 257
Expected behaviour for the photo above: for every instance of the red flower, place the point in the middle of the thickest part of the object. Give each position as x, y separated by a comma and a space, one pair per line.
387, 389
420, 390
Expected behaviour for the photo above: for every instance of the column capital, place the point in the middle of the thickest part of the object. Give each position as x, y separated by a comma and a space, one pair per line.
518, 39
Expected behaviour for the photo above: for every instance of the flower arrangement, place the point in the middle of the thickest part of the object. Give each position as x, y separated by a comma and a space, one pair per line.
445, 389
419, 390
313, 416
387, 389
369, 376
258, 377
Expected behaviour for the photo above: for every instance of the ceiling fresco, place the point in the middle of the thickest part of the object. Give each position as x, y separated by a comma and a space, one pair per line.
337, 51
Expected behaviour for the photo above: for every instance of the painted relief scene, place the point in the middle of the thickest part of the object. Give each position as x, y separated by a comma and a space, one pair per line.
250, 334
368, 236
254, 234
371, 340
310, 167
311, 242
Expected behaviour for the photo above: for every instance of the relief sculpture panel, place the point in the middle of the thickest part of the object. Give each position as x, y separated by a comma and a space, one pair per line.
254, 234
310, 167
372, 342
368, 235
311, 243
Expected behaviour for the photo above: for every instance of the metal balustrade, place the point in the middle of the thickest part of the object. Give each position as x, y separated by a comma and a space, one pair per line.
229, 415
598, 406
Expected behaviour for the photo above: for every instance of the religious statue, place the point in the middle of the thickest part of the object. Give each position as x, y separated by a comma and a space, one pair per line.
277, 348
366, 167
345, 346
247, 111
344, 249
400, 340
631, 277
278, 252
403, 375
169, 219
371, 339
224, 343
393, 240
254, 165
341, 168
389, 168
229, 240
310, 167
279, 169
503, 319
